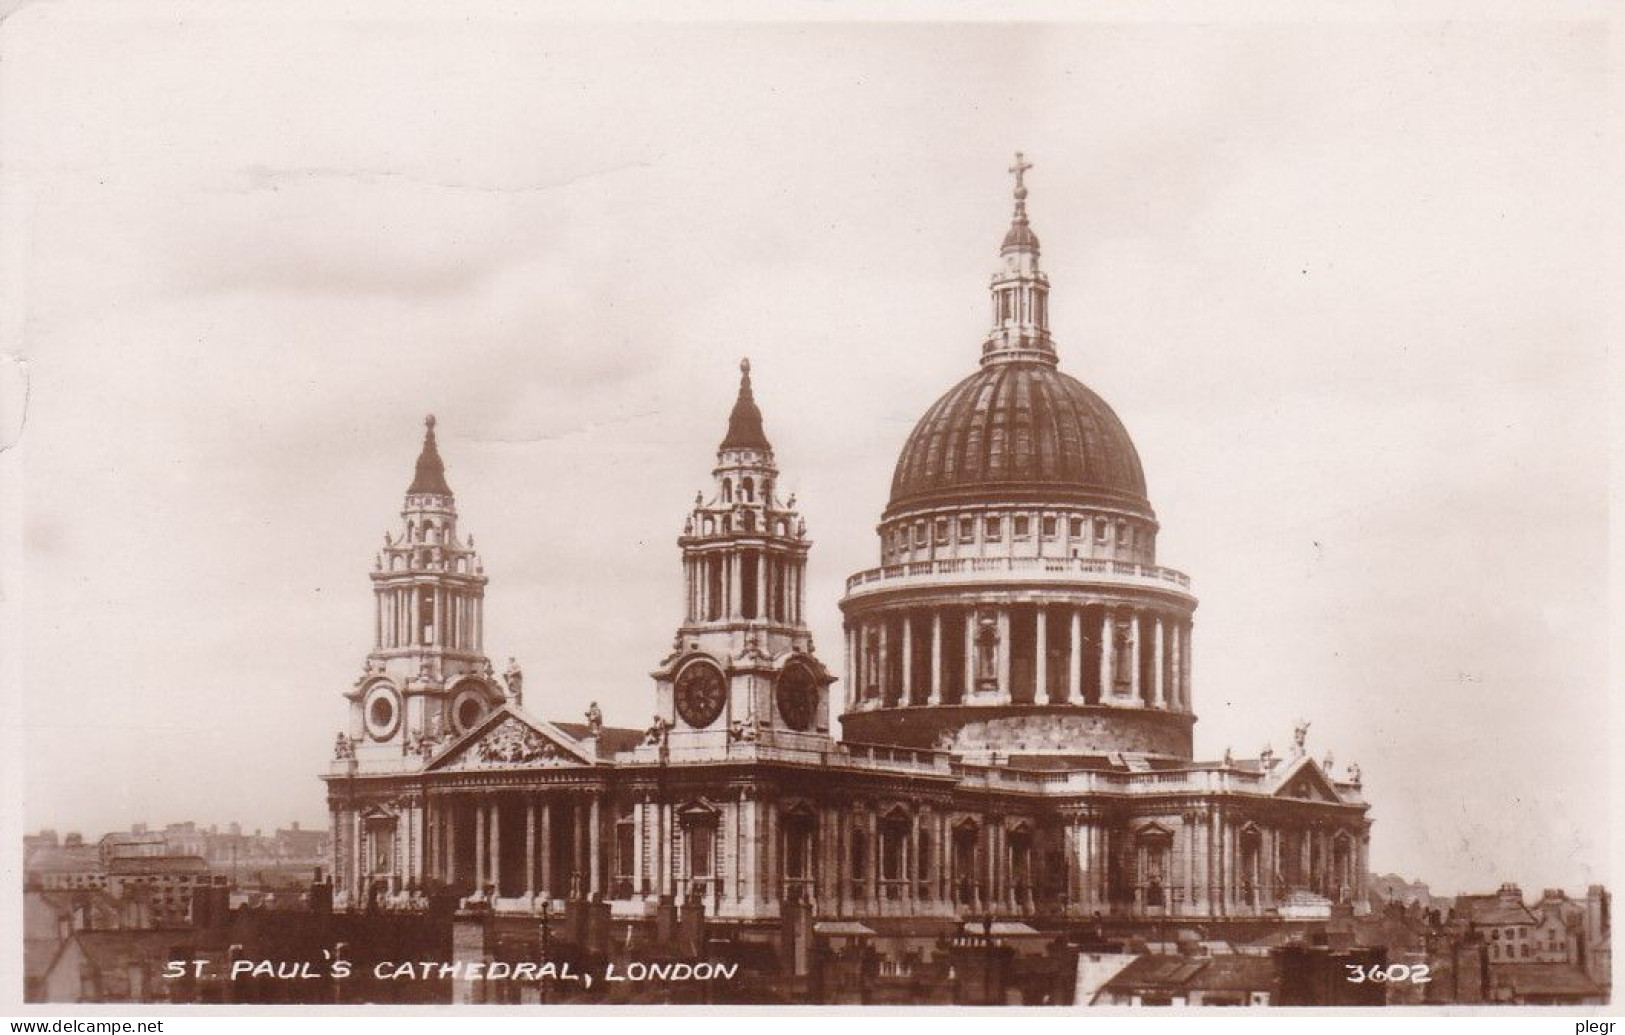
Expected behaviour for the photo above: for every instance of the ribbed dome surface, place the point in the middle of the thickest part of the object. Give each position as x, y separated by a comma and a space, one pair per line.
1019, 431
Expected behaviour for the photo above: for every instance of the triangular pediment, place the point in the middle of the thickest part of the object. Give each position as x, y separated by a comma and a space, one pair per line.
510, 739
1306, 781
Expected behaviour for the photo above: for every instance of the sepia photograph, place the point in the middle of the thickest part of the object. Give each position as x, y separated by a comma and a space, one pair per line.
820, 507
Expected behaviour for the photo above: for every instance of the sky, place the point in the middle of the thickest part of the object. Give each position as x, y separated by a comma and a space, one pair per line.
1344, 282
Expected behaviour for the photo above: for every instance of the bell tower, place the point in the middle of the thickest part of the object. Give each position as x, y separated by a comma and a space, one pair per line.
742, 668
427, 677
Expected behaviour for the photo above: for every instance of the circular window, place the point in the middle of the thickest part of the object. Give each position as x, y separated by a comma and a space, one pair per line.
468, 707
701, 692
382, 711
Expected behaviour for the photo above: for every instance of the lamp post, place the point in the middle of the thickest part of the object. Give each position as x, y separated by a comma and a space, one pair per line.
987, 959
547, 916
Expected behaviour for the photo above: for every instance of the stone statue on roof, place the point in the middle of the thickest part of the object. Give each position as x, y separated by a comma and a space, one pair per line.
1300, 733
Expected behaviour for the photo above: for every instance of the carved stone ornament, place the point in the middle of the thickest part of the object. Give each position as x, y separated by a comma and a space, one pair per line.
514, 743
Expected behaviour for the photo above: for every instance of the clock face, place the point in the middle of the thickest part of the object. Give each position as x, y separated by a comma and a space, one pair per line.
701, 691
797, 695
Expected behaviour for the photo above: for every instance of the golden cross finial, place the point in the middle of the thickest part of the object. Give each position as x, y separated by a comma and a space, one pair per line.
1020, 170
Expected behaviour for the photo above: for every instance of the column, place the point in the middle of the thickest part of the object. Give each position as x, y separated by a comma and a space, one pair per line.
759, 557
1362, 867
872, 819
1190, 863
749, 849
1069, 848
852, 689
595, 837
495, 854
479, 848
547, 848
912, 860
1157, 659
970, 655
668, 834
940, 860
1305, 858
1108, 650
530, 849
734, 608
639, 877
1215, 903
578, 847
908, 659
1134, 656
881, 663
1074, 665
1175, 698
1185, 673
1103, 853
770, 851
936, 658
1041, 650
1004, 655
449, 861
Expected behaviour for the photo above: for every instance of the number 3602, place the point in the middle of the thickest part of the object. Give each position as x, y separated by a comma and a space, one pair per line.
1416, 974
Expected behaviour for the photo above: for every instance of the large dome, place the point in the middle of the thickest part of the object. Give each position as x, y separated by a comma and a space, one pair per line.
1016, 431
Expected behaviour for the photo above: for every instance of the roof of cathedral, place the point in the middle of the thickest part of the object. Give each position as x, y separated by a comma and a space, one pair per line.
745, 422
430, 476
1024, 430
611, 739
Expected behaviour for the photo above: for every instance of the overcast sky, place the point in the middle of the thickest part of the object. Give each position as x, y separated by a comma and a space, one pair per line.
1344, 284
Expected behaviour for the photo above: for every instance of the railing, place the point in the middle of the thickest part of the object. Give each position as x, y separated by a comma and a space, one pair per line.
1019, 566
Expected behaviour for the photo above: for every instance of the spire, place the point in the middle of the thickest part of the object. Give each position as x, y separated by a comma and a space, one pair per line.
745, 422
431, 472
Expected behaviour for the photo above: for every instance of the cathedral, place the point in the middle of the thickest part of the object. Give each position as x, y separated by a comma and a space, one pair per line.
1016, 745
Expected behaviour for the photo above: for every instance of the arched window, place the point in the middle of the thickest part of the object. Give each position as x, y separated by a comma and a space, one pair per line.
727, 490
748, 489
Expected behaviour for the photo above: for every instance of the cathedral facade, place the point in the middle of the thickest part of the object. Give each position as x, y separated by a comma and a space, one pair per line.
1017, 740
